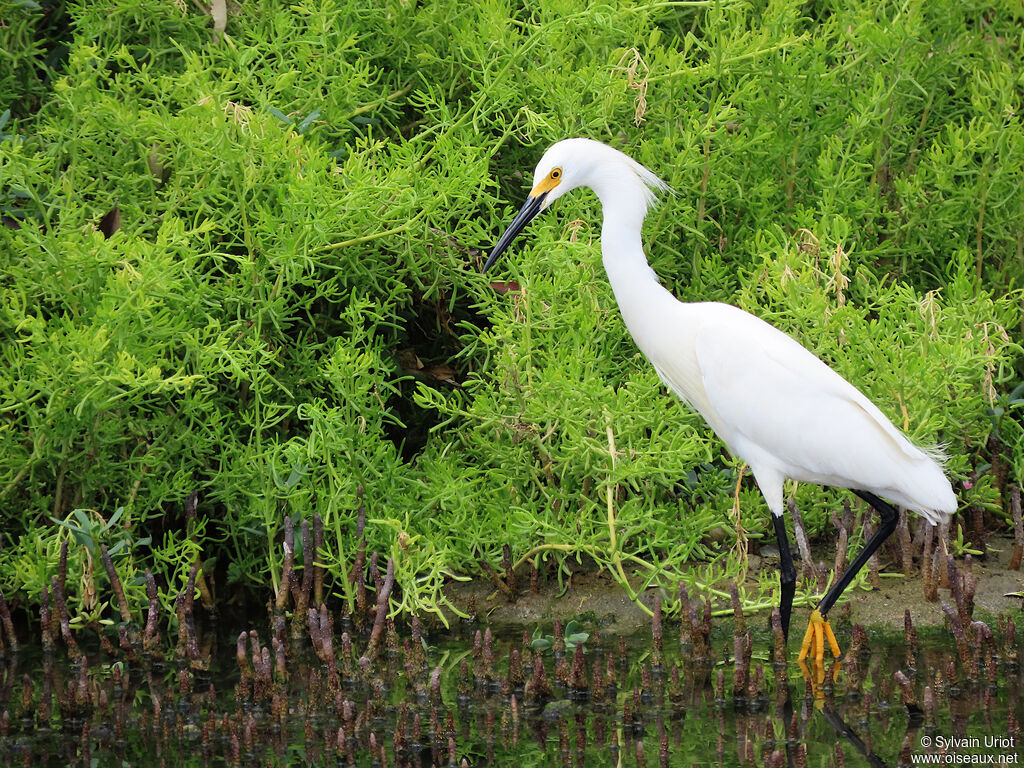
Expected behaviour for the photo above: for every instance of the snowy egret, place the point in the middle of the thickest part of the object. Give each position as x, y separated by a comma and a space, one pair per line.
771, 401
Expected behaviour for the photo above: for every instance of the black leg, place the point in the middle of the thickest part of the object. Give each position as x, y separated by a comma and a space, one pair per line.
851, 736
890, 517
787, 574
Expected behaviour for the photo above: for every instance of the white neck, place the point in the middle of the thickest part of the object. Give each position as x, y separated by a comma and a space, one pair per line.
621, 243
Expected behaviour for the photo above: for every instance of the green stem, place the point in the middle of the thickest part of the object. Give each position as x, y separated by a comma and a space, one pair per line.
373, 105
365, 238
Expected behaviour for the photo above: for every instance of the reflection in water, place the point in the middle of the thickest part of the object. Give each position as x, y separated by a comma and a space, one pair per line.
324, 700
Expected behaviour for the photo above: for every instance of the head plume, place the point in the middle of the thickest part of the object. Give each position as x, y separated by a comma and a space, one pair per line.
588, 163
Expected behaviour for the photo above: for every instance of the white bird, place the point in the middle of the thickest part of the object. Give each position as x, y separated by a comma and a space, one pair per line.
771, 401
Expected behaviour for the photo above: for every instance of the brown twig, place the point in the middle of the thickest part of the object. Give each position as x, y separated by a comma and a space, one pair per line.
151, 634
383, 594
906, 692
188, 642
686, 624
843, 523
318, 545
46, 621
905, 544
57, 590
958, 635
1018, 528
931, 592
301, 591
491, 574
807, 566
8, 625
510, 574
356, 576
286, 568
115, 584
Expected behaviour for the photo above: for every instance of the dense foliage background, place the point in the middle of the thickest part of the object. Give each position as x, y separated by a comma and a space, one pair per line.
246, 265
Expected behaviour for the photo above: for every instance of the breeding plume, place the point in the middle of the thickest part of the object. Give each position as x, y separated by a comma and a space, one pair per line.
772, 402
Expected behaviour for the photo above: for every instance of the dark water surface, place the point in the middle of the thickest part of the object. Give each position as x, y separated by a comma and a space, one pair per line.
466, 698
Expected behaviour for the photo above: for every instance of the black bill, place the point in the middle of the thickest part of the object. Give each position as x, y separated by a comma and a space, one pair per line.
526, 214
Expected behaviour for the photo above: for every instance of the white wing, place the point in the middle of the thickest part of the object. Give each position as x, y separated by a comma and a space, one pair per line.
787, 414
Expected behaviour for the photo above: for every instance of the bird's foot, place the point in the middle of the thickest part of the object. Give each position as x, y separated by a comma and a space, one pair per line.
818, 630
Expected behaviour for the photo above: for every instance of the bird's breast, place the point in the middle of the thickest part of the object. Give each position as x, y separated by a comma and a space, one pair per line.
666, 331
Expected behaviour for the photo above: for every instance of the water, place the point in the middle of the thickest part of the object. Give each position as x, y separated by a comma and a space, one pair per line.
461, 699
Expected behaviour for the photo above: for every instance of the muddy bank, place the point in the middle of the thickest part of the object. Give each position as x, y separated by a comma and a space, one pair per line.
589, 593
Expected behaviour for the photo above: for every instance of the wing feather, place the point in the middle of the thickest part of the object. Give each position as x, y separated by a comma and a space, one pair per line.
785, 412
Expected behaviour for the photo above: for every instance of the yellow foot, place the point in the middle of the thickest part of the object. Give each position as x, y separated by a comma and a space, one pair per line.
817, 630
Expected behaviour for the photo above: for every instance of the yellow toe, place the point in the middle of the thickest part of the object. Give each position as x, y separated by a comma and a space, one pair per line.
833, 643
808, 641
818, 630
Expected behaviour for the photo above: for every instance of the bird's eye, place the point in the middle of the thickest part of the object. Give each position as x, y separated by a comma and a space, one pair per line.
556, 173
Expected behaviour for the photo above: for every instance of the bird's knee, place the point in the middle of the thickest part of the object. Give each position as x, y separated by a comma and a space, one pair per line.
884, 509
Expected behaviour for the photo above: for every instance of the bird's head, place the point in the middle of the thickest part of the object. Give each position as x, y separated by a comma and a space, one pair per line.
573, 163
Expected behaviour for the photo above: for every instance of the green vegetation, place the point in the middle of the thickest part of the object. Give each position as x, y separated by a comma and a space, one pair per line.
248, 266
